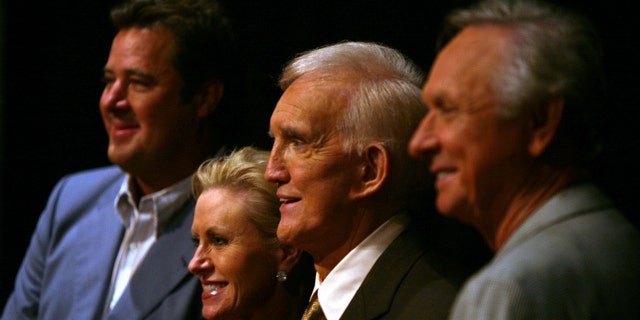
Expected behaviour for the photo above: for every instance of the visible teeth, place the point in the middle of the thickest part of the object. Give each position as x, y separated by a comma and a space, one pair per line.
283, 200
212, 287
442, 174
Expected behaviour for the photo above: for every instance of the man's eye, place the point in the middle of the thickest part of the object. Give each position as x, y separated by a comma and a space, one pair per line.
196, 241
220, 241
297, 143
448, 109
107, 80
139, 84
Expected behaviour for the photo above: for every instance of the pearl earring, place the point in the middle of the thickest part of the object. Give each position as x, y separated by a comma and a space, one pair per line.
281, 276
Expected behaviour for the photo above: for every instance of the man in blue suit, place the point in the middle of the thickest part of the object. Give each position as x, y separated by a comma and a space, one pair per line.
115, 242
514, 97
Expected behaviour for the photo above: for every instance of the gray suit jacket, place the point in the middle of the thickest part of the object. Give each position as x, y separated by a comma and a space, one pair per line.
575, 258
410, 280
67, 268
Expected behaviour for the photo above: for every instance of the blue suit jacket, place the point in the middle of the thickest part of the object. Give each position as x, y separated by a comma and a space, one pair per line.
67, 268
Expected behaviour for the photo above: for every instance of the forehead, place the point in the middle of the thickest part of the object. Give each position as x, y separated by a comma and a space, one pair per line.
221, 205
314, 102
149, 48
466, 65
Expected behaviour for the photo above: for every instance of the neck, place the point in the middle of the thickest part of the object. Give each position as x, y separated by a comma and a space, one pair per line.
153, 177
150, 183
537, 189
365, 222
161, 172
280, 306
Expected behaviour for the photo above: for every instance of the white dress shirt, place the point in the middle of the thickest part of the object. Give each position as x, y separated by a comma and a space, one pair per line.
143, 224
338, 288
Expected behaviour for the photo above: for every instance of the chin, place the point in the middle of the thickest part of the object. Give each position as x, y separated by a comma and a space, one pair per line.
210, 312
118, 156
284, 234
443, 207
448, 209
286, 228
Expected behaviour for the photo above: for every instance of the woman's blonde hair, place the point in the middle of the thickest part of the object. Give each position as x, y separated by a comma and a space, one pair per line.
242, 171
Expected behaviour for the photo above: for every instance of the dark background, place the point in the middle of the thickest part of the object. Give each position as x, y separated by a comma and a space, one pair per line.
52, 54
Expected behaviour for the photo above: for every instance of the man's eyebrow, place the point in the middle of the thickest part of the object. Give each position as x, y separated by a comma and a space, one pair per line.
139, 73
130, 72
290, 132
437, 101
286, 131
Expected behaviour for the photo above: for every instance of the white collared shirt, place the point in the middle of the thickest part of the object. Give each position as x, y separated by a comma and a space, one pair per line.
143, 224
340, 285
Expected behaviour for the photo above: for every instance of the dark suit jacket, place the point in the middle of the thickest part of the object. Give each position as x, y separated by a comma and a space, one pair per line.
408, 281
67, 268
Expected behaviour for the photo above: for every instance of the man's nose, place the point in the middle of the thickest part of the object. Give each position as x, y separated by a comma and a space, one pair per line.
424, 142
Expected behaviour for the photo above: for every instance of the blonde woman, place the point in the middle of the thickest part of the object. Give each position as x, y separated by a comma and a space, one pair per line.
245, 271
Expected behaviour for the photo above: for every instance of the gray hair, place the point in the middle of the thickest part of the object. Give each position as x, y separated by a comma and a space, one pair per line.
554, 54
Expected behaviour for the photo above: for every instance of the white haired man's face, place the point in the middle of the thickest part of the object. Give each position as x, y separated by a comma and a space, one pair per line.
479, 157
315, 175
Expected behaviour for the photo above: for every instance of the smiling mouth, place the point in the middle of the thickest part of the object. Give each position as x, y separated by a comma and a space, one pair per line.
443, 174
287, 201
123, 130
213, 288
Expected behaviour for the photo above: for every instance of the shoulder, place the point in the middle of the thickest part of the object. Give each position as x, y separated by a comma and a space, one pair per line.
487, 296
97, 175
407, 282
77, 191
91, 180
543, 273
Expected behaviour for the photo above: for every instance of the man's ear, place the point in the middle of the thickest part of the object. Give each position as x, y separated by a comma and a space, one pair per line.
545, 125
208, 97
289, 257
374, 171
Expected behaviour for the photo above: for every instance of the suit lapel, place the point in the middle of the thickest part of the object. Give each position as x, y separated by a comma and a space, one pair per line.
91, 287
376, 293
164, 267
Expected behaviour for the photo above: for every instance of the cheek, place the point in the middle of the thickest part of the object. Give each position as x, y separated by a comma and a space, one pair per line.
453, 137
494, 152
325, 197
478, 146
480, 161
491, 166
156, 104
249, 263
255, 277
301, 173
103, 107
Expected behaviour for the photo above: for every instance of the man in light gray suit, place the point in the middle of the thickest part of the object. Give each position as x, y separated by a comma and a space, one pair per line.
115, 242
514, 97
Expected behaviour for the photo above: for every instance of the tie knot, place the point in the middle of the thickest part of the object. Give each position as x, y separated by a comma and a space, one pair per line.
314, 311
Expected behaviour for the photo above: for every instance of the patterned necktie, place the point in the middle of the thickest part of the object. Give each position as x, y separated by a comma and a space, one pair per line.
314, 311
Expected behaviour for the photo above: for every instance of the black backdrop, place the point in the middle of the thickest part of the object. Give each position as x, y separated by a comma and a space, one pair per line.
54, 51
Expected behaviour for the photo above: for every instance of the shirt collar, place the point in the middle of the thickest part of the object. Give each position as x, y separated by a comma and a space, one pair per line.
342, 283
163, 204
